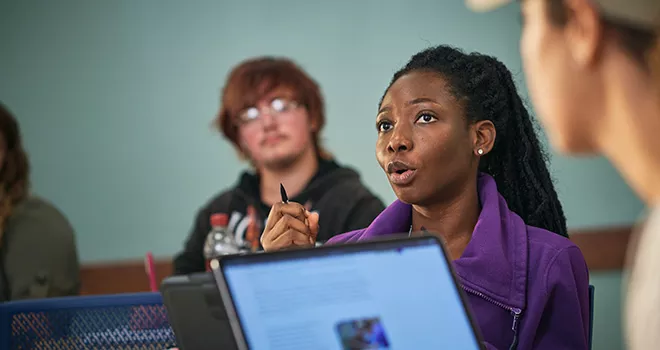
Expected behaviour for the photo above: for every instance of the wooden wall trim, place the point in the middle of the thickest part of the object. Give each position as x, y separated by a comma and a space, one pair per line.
120, 277
603, 249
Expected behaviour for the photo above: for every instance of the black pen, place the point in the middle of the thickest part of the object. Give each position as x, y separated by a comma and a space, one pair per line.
285, 198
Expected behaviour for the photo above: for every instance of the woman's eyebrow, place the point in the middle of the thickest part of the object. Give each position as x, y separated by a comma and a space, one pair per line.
421, 100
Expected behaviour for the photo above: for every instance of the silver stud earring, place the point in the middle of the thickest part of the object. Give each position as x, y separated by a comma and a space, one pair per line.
480, 151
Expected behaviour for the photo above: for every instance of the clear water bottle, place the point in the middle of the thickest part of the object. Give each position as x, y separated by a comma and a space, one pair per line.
220, 241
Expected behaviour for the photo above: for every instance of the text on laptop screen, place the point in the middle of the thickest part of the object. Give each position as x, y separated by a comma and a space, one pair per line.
394, 298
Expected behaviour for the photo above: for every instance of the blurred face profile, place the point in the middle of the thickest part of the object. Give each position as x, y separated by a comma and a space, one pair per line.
276, 131
562, 91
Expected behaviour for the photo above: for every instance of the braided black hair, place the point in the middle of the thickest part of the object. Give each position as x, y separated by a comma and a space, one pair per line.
517, 161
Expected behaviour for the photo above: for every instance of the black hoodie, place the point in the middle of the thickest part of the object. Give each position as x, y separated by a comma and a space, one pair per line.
335, 192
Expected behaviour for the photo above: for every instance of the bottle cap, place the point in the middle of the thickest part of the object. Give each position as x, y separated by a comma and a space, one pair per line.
219, 220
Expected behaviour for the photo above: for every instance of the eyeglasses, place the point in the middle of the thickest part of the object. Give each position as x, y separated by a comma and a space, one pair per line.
276, 107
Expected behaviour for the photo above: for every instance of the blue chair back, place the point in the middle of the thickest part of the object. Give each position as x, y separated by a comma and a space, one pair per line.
592, 289
121, 321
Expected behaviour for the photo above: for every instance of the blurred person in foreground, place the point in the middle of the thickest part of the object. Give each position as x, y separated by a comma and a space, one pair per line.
593, 69
273, 113
38, 254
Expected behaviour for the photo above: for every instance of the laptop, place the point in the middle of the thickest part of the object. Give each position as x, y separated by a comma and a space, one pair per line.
391, 293
196, 312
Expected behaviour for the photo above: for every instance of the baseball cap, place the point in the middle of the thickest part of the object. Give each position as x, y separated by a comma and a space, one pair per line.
642, 13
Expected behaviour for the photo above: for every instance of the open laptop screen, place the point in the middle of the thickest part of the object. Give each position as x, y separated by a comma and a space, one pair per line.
388, 295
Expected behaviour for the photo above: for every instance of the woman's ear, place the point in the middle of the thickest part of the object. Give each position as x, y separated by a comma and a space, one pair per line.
484, 137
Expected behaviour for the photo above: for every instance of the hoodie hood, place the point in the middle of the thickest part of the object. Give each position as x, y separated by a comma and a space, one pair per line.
329, 174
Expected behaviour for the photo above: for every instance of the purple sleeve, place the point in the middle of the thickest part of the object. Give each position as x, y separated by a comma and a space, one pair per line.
336, 239
347, 237
565, 321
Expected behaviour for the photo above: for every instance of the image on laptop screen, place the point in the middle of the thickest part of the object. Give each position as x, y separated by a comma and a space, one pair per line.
383, 298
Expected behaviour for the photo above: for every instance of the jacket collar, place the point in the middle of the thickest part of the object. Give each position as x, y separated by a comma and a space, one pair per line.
498, 246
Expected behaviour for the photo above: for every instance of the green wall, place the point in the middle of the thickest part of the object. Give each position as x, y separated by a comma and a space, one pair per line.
115, 99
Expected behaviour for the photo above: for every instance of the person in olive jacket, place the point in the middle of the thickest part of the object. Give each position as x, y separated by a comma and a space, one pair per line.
38, 254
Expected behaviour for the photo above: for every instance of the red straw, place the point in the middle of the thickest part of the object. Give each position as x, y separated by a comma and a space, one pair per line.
150, 269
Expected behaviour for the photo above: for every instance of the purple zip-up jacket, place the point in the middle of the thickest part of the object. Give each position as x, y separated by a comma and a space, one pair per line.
525, 285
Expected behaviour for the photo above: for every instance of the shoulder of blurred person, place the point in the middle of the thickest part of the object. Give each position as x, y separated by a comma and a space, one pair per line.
39, 252
336, 192
643, 287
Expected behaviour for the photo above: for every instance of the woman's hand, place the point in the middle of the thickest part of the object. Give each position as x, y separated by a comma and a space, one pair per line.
289, 225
